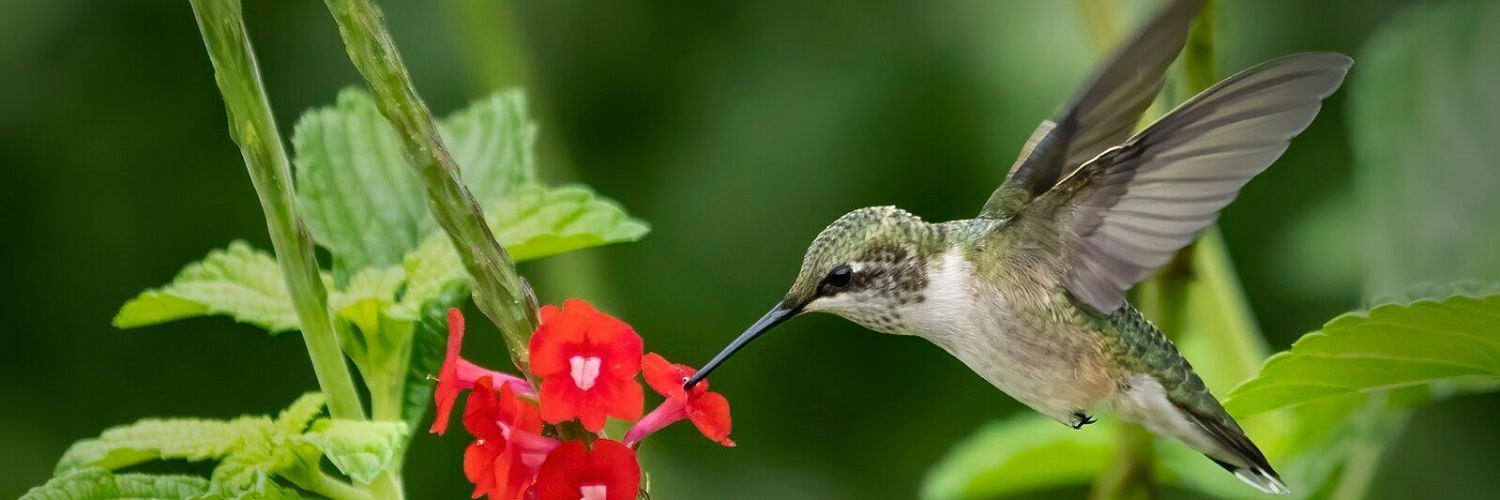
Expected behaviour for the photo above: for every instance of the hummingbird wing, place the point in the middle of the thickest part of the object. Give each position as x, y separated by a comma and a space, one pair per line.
1130, 209
1103, 113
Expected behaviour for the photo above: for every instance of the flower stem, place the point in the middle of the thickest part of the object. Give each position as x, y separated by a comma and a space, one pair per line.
253, 128
499, 292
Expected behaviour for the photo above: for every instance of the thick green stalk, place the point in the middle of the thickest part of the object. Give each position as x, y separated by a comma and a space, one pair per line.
498, 291
253, 128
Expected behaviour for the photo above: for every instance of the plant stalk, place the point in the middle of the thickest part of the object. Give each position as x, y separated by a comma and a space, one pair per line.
499, 292
307, 475
1130, 474
252, 127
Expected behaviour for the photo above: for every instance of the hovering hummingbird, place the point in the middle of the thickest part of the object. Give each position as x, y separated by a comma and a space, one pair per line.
1030, 294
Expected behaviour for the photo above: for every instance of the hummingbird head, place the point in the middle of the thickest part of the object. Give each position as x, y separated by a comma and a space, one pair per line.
865, 267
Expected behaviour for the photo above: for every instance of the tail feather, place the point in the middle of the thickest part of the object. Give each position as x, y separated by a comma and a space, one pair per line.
1264, 480
1248, 463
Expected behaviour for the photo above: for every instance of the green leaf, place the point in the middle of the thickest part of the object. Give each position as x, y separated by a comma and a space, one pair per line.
366, 295
150, 439
92, 483
533, 222
360, 449
239, 282
536, 222
295, 418
430, 269
371, 283
1423, 110
1430, 341
1024, 453
357, 194
251, 475
362, 200
493, 142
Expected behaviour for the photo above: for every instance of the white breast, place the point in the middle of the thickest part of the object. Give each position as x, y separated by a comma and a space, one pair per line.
1056, 373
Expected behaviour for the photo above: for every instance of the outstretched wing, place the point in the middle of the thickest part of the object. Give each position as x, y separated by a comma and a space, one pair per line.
1103, 113
1130, 209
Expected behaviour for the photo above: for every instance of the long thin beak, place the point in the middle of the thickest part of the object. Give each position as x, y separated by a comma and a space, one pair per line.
776, 316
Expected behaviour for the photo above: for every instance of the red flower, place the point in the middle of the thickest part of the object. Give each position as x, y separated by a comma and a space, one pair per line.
508, 447
708, 411
458, 374
571, 472
587, 361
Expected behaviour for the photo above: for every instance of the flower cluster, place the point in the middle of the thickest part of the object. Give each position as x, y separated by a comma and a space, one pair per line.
587, 362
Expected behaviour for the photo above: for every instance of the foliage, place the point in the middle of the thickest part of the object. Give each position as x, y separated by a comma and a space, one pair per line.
351, 178
393, 275
1427, 341
257, 456
99, 483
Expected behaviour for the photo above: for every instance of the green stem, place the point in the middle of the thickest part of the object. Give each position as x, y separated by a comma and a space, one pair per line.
1131, 470
495, 49
1374, 423
306, 475
1163, 298
499, 292
1212, 266
253, 128
331, 487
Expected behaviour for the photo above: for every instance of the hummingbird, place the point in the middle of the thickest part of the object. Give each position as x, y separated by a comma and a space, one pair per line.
1030, 294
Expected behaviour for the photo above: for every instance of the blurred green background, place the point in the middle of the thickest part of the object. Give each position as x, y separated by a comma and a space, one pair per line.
737, 128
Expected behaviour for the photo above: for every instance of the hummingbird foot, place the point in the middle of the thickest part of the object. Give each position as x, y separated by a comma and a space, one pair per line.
1081, 419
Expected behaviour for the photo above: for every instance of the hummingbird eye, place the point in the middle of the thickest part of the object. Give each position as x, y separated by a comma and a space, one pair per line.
838, 278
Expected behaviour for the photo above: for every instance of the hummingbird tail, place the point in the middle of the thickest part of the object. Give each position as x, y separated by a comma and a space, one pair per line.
1263, 479
1236, 453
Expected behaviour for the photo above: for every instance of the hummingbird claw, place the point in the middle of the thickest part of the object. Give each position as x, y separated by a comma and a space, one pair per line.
1081, 419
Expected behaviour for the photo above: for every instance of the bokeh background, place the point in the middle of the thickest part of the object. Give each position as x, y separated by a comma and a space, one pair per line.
737, 128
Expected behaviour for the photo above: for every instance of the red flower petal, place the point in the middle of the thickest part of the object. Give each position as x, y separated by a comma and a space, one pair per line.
560, 400
709, 412
479, 466
482, 411
448, 386
502, 461
458, 374
587, 361
558, 336
611, 339
627, 401
547, 312
666, 378
571, 472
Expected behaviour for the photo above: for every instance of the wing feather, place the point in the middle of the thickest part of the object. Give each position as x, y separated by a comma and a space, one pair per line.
1103, 113
1133, 207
